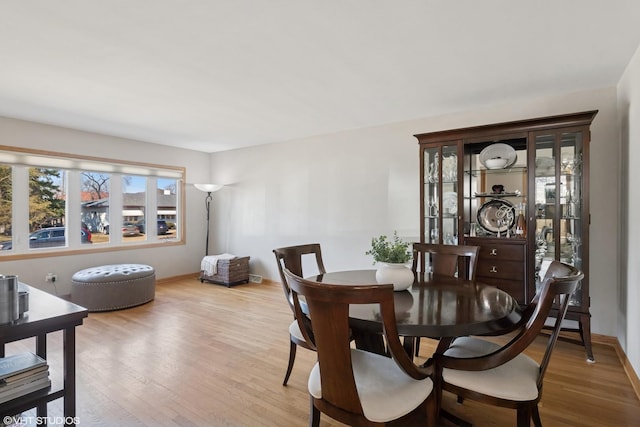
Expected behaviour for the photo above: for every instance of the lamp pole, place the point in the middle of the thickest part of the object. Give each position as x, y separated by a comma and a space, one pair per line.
208, 188
207, 203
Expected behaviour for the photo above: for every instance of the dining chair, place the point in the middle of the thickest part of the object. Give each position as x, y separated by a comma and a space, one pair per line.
444, 260
353, 386
291, 257
504, 376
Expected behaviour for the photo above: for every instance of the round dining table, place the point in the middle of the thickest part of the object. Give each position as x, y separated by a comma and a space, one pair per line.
434, 306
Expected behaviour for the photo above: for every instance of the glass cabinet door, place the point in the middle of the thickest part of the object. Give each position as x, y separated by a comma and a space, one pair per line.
441, 194
559, 215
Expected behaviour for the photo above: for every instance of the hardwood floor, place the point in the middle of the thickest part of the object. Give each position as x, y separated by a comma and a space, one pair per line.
205, 355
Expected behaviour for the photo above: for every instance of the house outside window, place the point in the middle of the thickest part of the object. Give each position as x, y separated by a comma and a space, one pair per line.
94, 204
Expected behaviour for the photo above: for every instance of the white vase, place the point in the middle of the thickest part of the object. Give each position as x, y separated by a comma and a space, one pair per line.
399, 274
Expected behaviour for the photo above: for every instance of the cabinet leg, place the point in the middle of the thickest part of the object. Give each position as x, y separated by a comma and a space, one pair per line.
585, 335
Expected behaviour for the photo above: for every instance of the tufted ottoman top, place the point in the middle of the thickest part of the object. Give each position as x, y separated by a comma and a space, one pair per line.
113, 273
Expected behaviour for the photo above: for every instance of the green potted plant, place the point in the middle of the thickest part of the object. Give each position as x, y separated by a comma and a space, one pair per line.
393, 251
392, 256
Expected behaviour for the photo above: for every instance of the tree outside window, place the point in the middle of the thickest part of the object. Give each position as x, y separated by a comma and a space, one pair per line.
47, 198
6, 201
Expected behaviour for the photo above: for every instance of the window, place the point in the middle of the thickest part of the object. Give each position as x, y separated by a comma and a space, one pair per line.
134, 206
47, 208
6, 204
94, 204
53, 201
167, 191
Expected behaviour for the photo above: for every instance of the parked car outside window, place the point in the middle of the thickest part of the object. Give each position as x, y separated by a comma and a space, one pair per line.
85, 229
54, 236
163, 228
130, 229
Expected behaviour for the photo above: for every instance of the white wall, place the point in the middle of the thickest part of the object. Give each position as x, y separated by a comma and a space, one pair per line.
168, 261
342, 189
629, 301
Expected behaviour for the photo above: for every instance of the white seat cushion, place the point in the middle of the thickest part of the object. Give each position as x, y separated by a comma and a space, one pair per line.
515, 380
294, 330
386, 391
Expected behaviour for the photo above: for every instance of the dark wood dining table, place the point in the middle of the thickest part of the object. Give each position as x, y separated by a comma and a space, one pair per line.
434, 307
46, 314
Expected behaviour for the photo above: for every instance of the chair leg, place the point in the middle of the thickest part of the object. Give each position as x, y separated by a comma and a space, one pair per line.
437, 391
432, 410
417, 345
524, 416
536, 417
314, 414
292, 358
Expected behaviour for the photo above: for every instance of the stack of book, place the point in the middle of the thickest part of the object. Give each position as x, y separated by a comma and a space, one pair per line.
22, 374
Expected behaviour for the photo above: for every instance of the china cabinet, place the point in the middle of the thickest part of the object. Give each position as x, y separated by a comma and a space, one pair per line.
520, 191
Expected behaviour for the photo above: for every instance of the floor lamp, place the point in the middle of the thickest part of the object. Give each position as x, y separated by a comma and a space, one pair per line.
208, 188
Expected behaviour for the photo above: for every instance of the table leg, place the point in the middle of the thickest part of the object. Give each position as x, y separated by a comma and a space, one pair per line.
369, 341
69, 372
41, 350
409, 344
41, 345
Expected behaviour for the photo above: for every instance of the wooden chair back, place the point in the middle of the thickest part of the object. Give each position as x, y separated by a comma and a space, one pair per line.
563, 281
446, 260
560, 281
291, 258
328, 308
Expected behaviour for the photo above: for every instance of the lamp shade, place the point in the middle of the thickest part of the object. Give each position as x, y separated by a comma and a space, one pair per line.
208, 188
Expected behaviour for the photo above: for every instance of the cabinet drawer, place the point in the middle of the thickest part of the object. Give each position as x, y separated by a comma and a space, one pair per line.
500, 269
502, 252
505, 249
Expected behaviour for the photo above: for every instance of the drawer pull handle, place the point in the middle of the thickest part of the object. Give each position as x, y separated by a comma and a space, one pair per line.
493, 252
493, 269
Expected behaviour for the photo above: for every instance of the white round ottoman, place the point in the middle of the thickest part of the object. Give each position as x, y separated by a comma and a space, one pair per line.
113, 287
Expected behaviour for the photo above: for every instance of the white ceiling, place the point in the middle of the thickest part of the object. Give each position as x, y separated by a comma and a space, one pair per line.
214, 75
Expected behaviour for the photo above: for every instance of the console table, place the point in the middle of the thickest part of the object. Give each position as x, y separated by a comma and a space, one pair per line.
47, 313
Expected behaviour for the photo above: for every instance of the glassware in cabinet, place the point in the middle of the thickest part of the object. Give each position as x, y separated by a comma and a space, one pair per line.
440, 193
559, 207
494, 197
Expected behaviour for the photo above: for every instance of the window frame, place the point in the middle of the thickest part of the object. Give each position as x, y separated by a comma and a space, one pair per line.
75, 164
